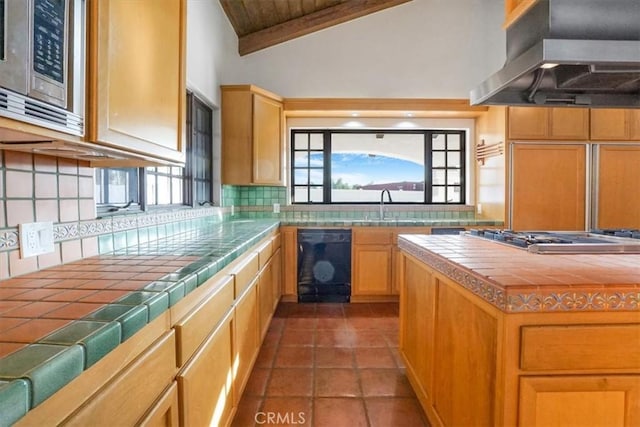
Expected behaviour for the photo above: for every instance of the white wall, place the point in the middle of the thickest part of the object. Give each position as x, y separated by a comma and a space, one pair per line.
420, 49
209, 35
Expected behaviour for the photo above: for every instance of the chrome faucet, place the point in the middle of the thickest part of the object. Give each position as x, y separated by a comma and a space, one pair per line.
382, 202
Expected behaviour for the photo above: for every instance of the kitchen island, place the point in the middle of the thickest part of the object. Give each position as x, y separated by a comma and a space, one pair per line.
495, 335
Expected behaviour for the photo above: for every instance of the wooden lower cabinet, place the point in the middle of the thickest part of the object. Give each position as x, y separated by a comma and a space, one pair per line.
371, 270
585, 401
289, 263
206, 382
128, 397
164, 412
472, 364
265, 298
246, 338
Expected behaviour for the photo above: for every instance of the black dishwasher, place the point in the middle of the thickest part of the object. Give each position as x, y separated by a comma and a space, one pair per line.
324, 265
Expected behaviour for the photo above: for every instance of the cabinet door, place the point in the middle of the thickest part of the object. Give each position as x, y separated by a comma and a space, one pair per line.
528, 123
618, 178
145, 378
586, 401
548, 187
609, 124
569, 123
164, 412
541, 123
136, 76
265, 297
246, 338
276, 277
289, 262
417, 299
205, 386
634, 124
267, 141
371, 270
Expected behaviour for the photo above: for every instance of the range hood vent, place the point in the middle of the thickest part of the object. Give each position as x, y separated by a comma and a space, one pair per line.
570, 52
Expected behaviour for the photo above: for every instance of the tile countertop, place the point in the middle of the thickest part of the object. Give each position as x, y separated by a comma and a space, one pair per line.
57, 322
392, 222
517, 281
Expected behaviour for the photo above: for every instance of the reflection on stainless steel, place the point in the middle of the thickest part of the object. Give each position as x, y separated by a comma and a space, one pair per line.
565, 242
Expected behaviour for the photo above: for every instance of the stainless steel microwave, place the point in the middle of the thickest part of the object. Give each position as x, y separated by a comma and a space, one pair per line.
42, 62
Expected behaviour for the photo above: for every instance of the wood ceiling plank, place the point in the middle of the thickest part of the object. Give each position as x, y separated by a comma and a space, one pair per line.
237, 15
295, 8
282, 10
315, 21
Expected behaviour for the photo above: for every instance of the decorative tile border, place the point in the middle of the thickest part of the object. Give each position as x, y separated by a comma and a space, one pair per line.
79, 230
485, 288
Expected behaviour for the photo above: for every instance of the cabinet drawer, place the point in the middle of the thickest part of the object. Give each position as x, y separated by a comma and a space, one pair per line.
372, 237
164, 412
198, 324
275, 242
128, 397
580, 347
264, 253
244, 273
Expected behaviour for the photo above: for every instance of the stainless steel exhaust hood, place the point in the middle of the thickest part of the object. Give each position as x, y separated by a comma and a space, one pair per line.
570, 53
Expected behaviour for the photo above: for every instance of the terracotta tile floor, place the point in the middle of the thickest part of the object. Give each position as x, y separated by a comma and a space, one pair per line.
330, 365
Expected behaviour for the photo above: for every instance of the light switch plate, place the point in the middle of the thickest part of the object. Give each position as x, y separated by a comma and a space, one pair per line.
276, 208
36, 238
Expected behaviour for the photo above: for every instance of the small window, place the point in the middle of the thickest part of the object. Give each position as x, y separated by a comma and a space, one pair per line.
339, 166
119, 189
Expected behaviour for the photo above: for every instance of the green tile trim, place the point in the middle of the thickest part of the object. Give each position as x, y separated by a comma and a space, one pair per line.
155, 302
47, 368
96, 338
131, 318
14, 401
175, 290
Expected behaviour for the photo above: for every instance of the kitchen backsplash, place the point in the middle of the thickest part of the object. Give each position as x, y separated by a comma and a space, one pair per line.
43, 188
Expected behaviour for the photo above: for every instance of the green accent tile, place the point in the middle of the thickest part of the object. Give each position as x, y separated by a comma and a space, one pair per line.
14, 401
132, 238
119, 240
157, 303
143, 235
47, 367
203, 274
131, 318
175, 290
96, 338
190, 283
105, 243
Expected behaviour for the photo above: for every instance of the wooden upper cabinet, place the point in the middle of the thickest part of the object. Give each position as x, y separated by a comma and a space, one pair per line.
548, 187
618, 178
136, 76
614, 124
252, 143
543, 123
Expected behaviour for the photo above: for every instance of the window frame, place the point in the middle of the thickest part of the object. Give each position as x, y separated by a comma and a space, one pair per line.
428, 168
142, 174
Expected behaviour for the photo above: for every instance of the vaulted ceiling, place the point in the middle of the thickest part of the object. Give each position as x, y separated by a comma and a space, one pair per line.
263, 23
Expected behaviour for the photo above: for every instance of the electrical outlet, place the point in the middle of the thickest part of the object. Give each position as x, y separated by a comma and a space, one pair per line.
233, 210
276, 208
36, 238
479, 209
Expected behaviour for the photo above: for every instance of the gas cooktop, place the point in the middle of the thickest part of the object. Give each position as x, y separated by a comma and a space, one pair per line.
605, 241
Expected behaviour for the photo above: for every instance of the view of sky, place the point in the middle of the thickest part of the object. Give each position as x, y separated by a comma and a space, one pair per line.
363, 169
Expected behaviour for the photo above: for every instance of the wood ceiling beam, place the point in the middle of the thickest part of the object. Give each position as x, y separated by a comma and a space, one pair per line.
381, 104
315, 21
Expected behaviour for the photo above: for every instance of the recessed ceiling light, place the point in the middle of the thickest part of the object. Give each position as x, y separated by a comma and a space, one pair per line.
549, 65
